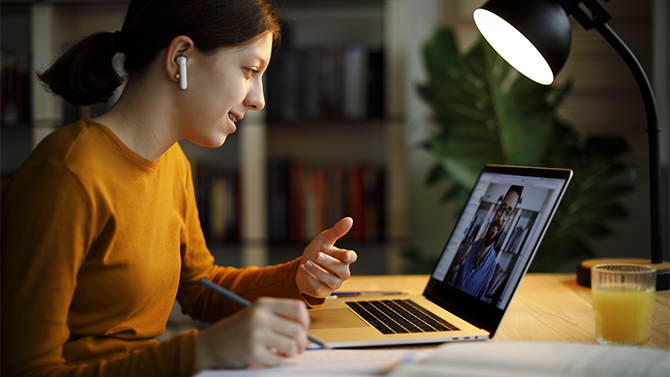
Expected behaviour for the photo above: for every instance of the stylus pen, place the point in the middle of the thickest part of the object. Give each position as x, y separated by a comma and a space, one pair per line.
366, 293
239, 300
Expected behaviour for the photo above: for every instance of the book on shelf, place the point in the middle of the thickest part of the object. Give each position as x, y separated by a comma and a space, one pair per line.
217, 194
15, 101
357, 203
320, 209
279, 187
331, 83
355, 80
296, 202
313, 78
375, 219
335, 193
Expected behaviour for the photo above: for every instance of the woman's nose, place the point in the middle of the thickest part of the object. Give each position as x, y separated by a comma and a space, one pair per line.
255, 99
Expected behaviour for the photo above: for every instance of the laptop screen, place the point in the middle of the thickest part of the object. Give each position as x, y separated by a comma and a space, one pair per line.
496, 237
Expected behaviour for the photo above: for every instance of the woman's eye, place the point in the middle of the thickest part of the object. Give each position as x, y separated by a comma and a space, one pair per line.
250, 72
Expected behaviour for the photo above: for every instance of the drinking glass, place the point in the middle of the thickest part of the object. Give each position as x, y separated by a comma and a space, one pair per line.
623, 302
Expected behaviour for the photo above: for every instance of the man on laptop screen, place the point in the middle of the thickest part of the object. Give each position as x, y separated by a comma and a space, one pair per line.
475, 264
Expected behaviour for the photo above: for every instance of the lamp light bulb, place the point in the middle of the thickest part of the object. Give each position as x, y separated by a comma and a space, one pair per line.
513, 46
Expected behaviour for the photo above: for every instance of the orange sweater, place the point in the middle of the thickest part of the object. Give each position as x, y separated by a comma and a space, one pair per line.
97, 243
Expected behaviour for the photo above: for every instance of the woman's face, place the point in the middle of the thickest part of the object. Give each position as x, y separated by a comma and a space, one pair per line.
221, 88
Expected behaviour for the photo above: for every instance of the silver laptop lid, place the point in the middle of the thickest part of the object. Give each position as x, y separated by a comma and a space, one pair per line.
494, 241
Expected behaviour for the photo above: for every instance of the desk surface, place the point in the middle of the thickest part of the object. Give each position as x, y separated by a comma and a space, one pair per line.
547, 307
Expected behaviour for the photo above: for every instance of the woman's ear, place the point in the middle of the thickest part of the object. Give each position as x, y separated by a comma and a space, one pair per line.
178, 59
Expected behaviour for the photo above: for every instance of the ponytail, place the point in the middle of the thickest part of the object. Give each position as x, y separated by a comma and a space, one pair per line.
85, 75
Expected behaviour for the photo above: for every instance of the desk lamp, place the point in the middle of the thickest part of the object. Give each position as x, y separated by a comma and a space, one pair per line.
534, 37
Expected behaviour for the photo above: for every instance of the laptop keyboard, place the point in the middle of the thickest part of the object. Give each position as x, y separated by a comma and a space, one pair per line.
399, 316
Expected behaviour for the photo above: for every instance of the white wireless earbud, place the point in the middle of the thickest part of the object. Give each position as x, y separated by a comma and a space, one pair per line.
183, 83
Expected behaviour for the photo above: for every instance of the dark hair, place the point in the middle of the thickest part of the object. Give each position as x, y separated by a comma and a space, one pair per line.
85, 74
515, 188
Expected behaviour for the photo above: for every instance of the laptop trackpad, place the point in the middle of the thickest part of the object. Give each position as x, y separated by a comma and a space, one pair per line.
335, 318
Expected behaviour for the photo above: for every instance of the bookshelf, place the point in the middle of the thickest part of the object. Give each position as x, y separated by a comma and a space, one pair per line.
354, 135
325, 126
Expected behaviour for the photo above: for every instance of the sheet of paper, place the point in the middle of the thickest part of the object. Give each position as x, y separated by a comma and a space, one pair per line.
332, 363
547, 359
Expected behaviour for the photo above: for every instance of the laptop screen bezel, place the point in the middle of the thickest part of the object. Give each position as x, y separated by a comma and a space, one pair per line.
469, 308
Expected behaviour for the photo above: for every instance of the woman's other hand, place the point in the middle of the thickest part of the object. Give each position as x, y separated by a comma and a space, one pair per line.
324, 266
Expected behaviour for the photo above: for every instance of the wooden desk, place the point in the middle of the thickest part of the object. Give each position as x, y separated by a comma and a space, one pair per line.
547, 307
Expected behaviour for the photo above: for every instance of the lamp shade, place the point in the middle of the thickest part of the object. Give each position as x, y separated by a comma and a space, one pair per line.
533, 36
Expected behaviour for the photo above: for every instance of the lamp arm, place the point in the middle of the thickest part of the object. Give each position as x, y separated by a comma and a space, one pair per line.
652, 129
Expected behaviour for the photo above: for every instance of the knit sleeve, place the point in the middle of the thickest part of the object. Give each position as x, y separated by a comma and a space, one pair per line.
48, 224
44, 238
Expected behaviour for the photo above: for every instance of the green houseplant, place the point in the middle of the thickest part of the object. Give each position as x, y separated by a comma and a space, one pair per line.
485, 112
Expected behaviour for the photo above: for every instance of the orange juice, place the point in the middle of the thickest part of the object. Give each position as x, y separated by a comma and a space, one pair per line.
623, 314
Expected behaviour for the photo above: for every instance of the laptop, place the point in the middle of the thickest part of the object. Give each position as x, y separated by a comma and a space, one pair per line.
487, 254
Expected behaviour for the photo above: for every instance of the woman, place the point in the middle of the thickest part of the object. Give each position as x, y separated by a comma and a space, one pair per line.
100, 229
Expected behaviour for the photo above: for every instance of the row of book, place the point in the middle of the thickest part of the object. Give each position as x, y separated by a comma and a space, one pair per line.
15, 108
302, 201
318, 83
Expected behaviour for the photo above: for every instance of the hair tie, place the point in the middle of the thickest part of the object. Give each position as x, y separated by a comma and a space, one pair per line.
119, 42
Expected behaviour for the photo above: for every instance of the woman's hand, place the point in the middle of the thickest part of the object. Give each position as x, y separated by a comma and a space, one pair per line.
324, 267
264, 333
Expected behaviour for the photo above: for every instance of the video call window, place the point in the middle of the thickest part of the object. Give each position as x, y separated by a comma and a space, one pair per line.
496, 235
